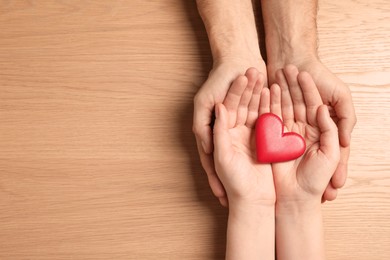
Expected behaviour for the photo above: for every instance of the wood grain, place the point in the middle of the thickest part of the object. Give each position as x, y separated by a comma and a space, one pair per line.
97, 157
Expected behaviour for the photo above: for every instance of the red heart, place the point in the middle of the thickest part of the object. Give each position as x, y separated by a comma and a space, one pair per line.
272, 145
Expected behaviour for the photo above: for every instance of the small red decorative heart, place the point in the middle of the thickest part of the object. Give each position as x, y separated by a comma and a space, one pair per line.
272, 144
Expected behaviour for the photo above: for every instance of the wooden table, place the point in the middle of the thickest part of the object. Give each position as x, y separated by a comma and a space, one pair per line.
97, 157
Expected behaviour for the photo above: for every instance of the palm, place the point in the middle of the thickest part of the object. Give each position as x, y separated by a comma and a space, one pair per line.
255, 180
295, 176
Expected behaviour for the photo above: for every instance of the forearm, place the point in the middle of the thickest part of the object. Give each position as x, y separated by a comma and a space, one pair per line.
291, 31
251, 233
299, 232
231, 29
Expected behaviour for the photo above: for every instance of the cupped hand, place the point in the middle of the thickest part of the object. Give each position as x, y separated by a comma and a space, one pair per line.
298, 102
337, 96
212, 92
243, 178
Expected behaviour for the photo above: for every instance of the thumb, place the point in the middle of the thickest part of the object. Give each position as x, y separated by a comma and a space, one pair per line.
201, 125
222, 141
345, 126
329, 142
345, 112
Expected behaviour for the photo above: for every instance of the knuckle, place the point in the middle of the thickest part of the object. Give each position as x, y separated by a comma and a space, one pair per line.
290, 68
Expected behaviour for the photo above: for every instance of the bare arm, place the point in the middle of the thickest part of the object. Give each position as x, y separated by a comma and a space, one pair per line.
299, 231
291, 31
251, 232
231, 29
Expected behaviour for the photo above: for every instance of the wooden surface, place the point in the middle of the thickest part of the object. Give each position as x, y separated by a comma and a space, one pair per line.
97, 157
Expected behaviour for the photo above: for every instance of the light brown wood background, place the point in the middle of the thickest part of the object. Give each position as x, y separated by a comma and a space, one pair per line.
97, 157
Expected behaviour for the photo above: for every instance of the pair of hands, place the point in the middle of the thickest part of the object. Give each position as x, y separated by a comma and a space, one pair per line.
296, 100
334, 93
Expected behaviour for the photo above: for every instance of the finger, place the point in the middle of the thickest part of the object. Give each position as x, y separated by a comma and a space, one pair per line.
224, 201
311, 96
222, 139
208, 165
329, 143
287, 104
330, 193
345, 126
242, 113
264, 101
233, 98
253, 108
276, 102
201, 124
345, 112
340, 176
291, 74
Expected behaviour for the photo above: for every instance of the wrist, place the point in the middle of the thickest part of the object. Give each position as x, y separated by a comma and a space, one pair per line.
239, 64
289, 45
251, 232
299, 230
231, 29
240, 58
287, 53
237, 207
290, 31
264, 201
298, 208
240, 50
251, 217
